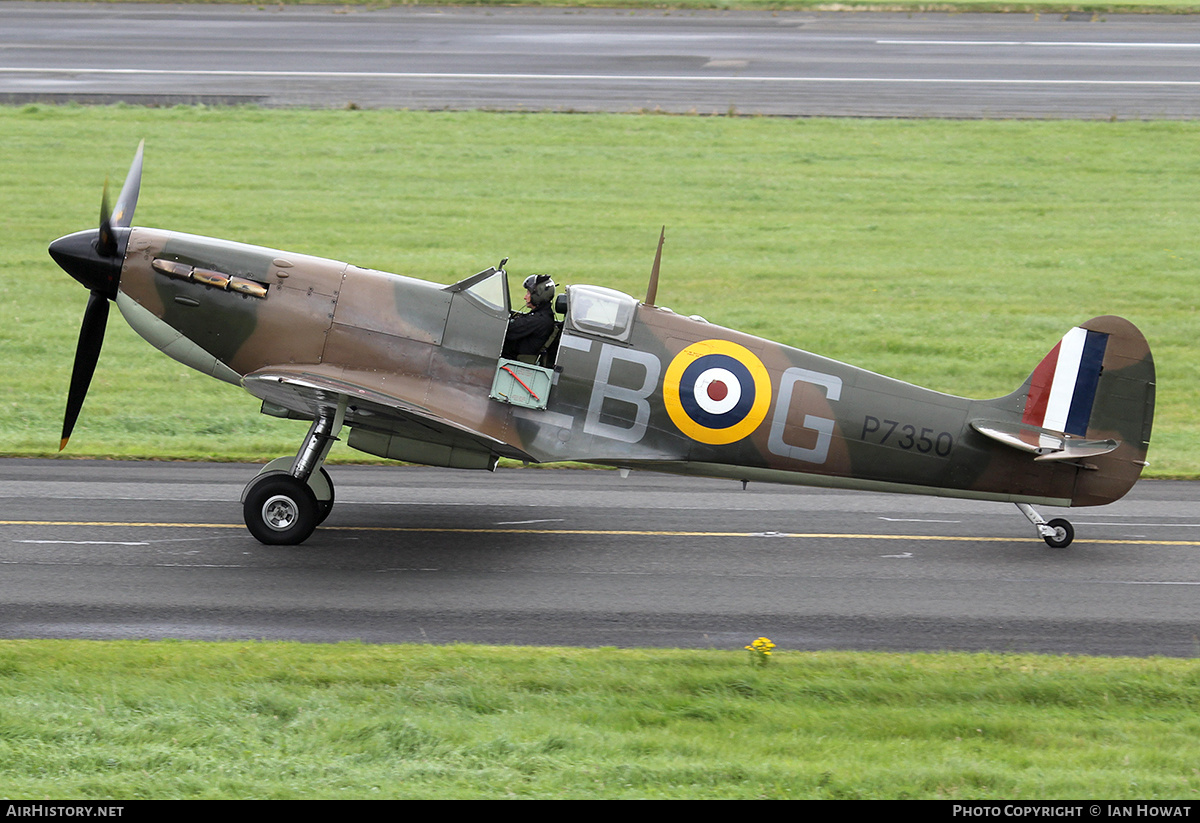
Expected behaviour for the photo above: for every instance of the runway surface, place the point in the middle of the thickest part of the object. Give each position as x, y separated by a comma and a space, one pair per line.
798, 64
588, 558
152, 550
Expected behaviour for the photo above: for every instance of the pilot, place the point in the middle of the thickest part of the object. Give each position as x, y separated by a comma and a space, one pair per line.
528, 332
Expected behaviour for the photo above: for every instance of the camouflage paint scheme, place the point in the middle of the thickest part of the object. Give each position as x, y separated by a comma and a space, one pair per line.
408, 366
421, 366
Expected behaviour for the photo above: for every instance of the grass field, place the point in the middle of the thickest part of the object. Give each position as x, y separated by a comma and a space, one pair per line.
268, 720
949, 254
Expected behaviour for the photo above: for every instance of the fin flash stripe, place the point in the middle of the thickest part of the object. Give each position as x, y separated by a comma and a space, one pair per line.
1063, 387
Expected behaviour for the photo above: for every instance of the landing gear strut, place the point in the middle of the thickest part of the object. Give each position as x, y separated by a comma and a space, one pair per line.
290, 497
1057, 533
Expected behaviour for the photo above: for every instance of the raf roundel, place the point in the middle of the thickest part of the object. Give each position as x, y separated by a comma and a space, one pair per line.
717, 392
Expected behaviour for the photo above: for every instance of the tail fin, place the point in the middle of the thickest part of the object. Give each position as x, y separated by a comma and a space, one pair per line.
1090, 402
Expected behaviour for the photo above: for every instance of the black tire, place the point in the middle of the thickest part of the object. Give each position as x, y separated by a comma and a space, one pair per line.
1064, 533
324, 507
279, 510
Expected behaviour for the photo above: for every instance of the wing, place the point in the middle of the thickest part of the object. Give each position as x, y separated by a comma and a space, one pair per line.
382, 424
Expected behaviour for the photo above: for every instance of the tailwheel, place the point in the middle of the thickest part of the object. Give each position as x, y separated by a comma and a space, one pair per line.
1057, 533
281, 510
1061, 536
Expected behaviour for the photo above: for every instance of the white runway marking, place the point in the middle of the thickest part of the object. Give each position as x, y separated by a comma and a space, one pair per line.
1049, 43
527, 522
914, 520
84, 542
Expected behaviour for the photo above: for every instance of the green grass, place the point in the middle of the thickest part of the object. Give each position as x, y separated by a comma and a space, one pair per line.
132, 720
949, 254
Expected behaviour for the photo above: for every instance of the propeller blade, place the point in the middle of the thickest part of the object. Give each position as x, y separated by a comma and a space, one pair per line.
122, 214
106, 243
87, 352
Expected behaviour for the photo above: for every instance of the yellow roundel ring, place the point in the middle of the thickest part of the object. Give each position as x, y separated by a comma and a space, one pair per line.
716, 392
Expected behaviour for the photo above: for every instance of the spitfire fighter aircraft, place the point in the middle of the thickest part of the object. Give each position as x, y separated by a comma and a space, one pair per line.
413, 370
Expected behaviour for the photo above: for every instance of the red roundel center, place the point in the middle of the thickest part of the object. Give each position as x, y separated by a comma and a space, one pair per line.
717, 390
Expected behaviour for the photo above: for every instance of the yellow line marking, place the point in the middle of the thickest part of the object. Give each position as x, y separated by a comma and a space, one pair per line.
610, 532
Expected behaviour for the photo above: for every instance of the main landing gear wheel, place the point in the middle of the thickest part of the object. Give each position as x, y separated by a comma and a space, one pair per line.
324, 507
1063, 534
289, 498
320, 482
281, 510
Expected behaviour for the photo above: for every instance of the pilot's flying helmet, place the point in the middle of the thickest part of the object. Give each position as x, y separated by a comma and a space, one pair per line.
540, 288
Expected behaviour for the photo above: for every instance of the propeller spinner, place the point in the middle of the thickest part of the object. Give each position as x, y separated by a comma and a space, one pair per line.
94, 258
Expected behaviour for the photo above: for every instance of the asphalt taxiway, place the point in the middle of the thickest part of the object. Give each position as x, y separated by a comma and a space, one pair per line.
1084, 66
101, 549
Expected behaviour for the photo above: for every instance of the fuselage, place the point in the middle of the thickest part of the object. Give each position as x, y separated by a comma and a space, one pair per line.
633, 385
